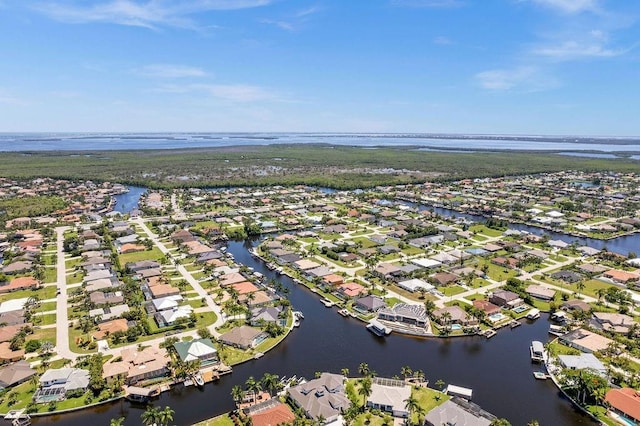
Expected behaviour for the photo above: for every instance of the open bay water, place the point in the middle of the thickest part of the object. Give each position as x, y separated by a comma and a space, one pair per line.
129, 141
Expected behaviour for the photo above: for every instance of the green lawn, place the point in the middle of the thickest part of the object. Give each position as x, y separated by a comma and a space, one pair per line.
50, 275
223, 420
42, 293
46, 319
428, 399
481, 229
451, 290
153, 254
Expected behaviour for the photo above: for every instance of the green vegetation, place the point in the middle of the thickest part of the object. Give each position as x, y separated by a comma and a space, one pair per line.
30, 206
321, 164
223, 420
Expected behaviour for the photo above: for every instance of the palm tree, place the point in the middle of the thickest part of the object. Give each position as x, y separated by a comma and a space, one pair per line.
237, 393
345, 372
270, 381
580, 286
429, 307
412, 405
363, 369
533, 423
365, 390
406, 371
150, 416
600, 293
117, 422
500, 422
440, 384
165, 416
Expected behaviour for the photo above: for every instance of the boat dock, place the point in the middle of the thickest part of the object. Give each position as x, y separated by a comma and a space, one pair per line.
459, 391
328, 303
537, 351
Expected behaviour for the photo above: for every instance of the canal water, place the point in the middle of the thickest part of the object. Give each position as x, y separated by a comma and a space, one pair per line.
498, 370
129, 200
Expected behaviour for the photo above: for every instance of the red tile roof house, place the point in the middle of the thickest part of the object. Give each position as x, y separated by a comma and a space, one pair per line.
623, 277
486, 306
625, 401
19, 284
352, 290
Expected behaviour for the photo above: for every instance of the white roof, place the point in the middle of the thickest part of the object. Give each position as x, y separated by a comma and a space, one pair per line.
198, 350
426, 263
168, 302
414, 284
582, 361
459, 390
12, 305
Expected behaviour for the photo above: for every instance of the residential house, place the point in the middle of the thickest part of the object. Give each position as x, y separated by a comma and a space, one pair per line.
137, 365
402, 312
540, 292
16, 373
267, 314
457, 315
625, 402
323, 397
57, 382
389, 395
582, 362
458, 412
107, 328
351, 290
198, 349
243, 337
170, 316
505, 299
270, 413
613, 321
369, 303
486, 306
585, 340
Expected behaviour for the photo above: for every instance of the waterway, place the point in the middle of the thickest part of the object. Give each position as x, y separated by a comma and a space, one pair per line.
498, 370
128, 201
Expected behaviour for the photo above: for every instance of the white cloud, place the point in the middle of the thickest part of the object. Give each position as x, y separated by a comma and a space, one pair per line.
170, 71
283, 25
7, 98
239, 93
442, 40
140, 13
295, 21
572, 49
525, 78
428, 3
570, 6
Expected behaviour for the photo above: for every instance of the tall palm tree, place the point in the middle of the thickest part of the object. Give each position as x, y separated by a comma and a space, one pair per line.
412, 405
150, 416
365, 390
269, 381
580, 285
429, 307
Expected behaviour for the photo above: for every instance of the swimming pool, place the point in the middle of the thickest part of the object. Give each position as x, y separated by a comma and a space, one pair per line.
456, 327
520, 309
499, 316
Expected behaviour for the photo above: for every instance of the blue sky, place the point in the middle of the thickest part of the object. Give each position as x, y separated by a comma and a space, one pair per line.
455, 66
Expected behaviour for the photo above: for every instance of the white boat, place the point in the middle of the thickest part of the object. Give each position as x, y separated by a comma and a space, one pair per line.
18, 418
258, 355
344, 312
556, 330
540, 375
298, 314
378, 328
198, 379
296, 322
537, 351
490, 333
533, 314
326, 302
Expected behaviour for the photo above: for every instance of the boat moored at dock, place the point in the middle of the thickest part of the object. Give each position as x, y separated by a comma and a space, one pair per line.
377, 328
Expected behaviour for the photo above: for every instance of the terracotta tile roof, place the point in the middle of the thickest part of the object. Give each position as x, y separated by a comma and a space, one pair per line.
626, 400
280, 414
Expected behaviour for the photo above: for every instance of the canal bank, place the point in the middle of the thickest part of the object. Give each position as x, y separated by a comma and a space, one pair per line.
499, 370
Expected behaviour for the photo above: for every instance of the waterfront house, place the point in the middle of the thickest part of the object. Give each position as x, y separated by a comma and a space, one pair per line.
369, 303
457, 315
487, 307
622, 277
402, 312
137, 365
351, 290
540, 292
458, 412
197, 349
267, 314
243, 337
322, 397
585, 341
16, 373
625, 402
582, 362
55, 383
389, 395
271, 412
576, 305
